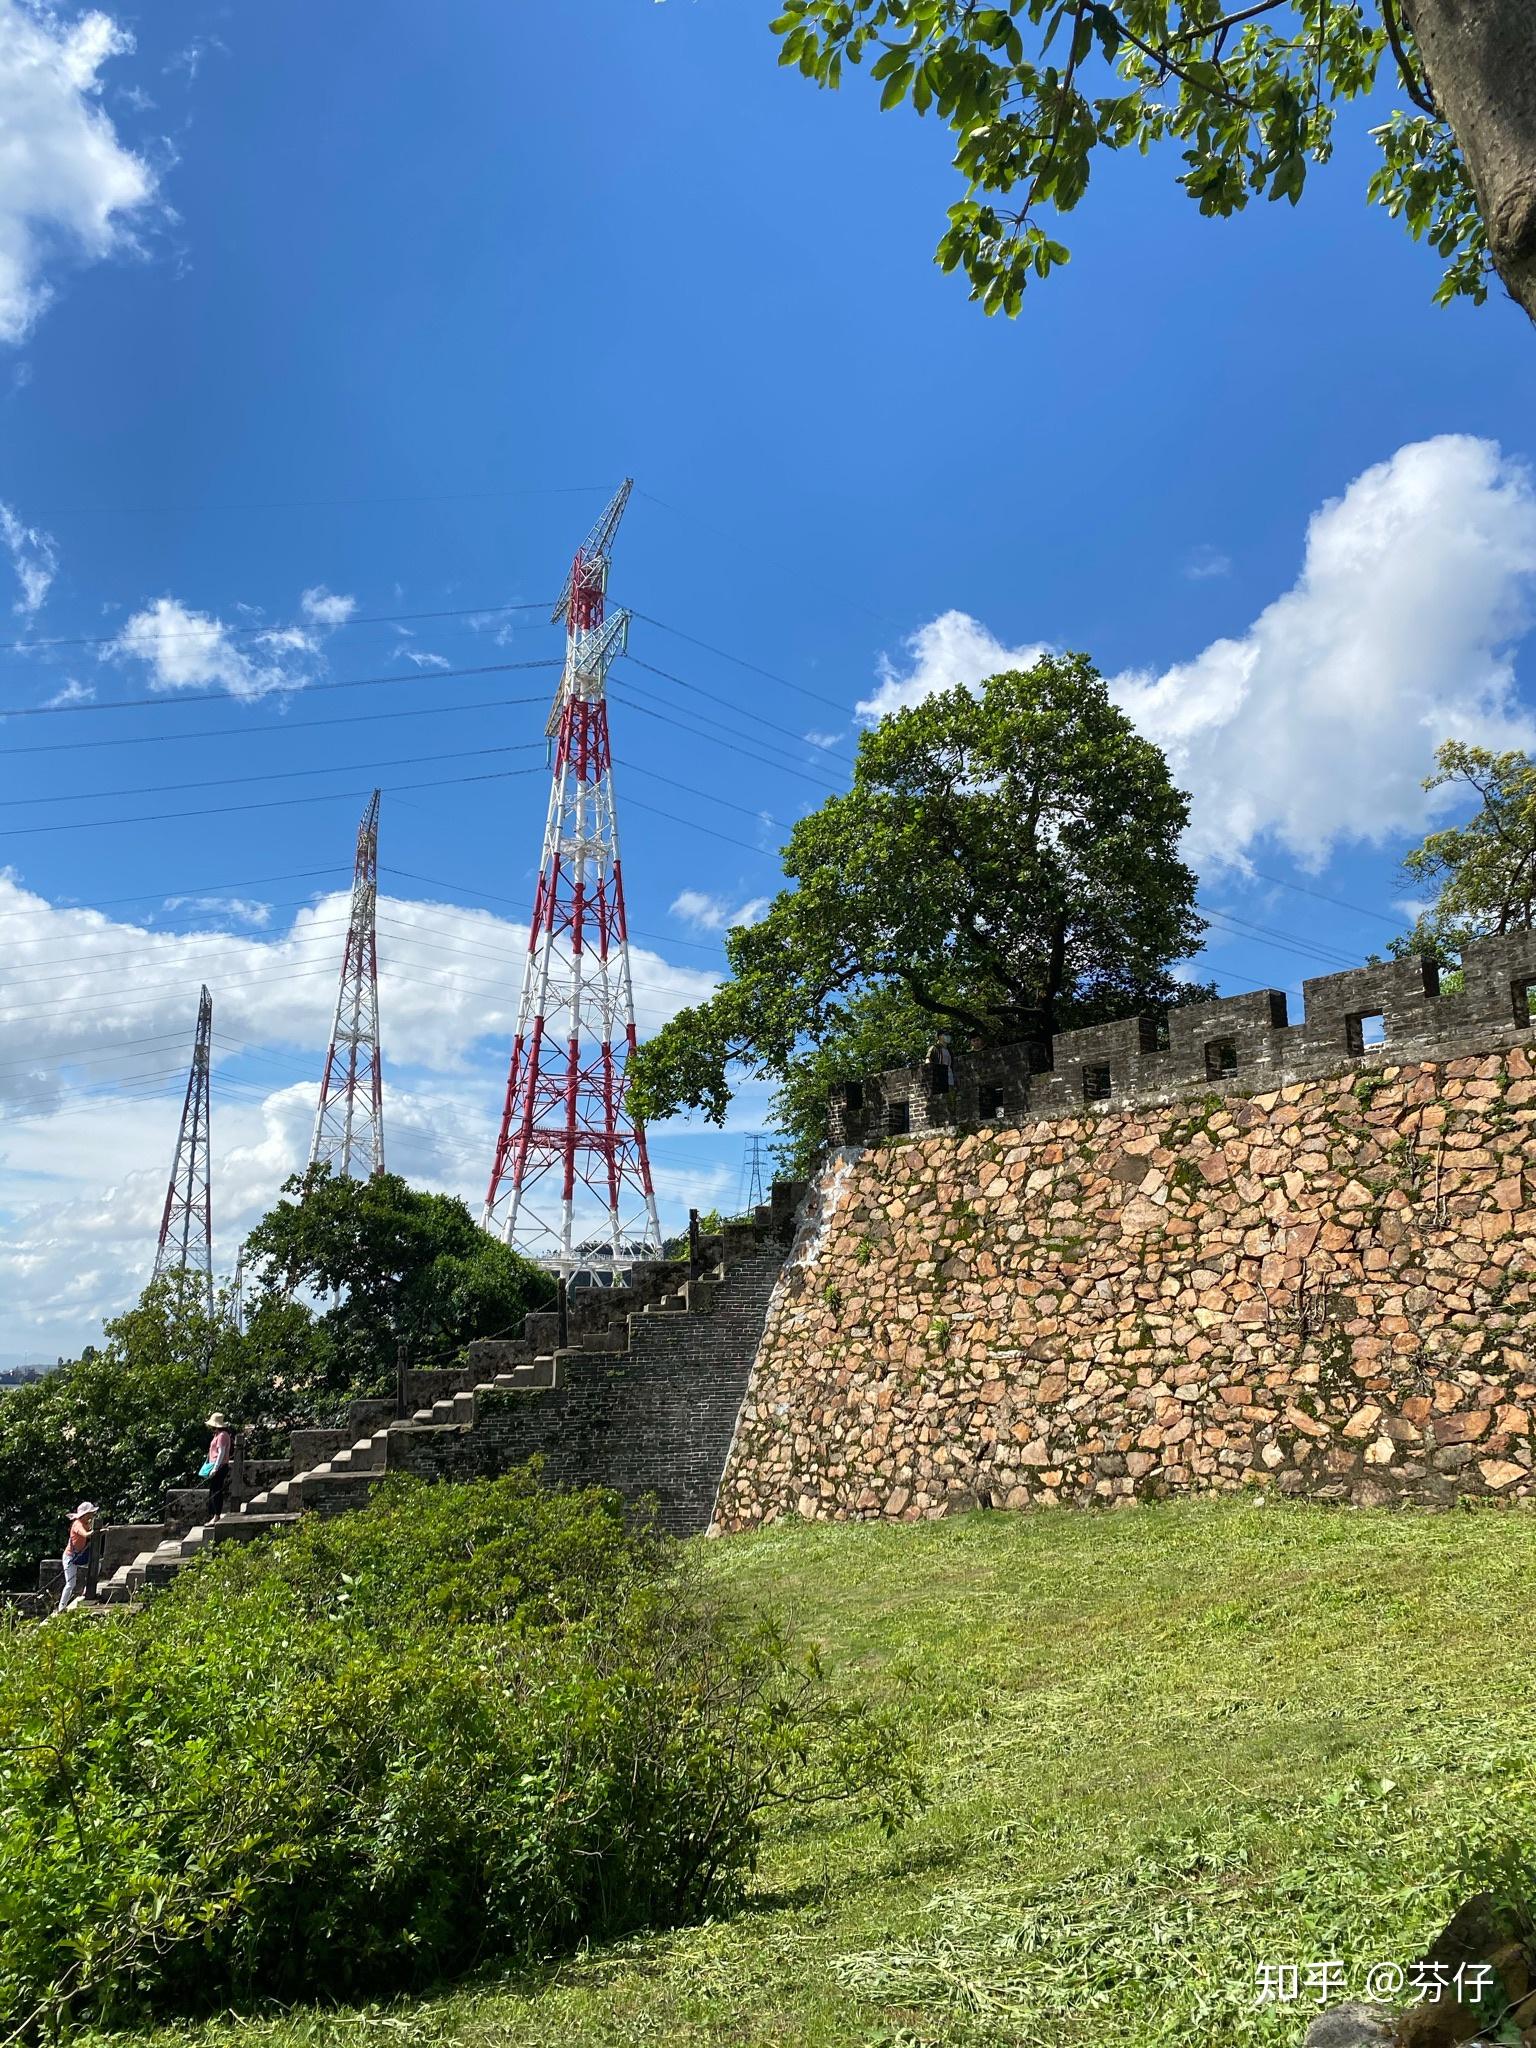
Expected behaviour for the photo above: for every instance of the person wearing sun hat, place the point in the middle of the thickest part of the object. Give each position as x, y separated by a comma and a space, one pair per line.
216, 1464
77, 1552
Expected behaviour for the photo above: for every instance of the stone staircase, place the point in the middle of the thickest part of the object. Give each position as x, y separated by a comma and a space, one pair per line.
711, 1322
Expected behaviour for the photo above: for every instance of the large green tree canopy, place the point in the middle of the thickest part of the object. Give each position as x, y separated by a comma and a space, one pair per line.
404, 1266
1005, 866
1034, 90
1483, 870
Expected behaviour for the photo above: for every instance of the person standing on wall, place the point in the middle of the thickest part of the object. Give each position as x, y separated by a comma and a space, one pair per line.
216, 1464
941, 1066
77, 1552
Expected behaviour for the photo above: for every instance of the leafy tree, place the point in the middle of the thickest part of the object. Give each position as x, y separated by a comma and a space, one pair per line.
408, 1267
879, 1027
1035, 90
1483, 871
1005, 866
127, 1420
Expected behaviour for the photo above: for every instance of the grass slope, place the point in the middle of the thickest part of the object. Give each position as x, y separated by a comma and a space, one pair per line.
1163, 1748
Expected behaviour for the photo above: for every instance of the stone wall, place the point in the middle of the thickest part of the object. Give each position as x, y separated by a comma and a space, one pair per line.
655, 1420
1324, 1288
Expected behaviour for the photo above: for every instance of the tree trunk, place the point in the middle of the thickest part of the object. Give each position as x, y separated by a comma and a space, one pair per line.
1480, 56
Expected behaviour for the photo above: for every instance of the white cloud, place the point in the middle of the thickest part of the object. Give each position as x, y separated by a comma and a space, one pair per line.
1205, 562
96, 1020
423, 659
1318, 724
953, 648
326, 607
188, 650
34, 556
68, 183
714, 913
240, 909
73, 692
824, 739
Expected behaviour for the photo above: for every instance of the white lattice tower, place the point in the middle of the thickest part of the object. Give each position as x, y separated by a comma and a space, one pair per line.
571, 1181
186, 1223
349, 1124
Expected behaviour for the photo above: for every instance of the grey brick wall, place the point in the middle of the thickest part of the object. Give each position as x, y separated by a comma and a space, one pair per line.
1236, 1045
655, 1421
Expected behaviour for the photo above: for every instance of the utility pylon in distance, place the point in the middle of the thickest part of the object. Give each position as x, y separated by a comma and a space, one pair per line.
186, 1225
750, 1194
349, 1124
571, 1180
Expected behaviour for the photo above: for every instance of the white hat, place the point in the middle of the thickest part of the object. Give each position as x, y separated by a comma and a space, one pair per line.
86, 1507
216, 1420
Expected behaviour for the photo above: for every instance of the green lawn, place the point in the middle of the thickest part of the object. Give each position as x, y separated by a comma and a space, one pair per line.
1163, 1747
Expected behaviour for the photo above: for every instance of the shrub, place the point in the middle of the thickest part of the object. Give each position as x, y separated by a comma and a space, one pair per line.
468, 1723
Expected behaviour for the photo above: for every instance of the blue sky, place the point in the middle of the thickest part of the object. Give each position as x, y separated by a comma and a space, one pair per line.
378, 303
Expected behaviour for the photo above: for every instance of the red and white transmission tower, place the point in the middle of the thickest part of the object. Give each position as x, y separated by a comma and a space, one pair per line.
349, 1124
186, 1227
571, 1182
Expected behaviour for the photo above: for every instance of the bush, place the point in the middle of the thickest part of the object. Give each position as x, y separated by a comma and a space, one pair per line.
467, 1723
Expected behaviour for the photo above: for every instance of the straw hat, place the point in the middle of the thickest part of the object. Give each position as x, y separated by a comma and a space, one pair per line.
217, 1420
86, 1507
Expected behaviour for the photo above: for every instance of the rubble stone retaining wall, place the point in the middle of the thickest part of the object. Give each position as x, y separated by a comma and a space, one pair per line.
1325, 1288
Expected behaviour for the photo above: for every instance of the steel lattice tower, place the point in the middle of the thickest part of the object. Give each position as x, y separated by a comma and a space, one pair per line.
186, 1227
349, 1124
571, 1181
751, 1195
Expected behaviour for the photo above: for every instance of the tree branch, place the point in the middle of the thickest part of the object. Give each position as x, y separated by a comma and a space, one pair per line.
925, 999
1165, 63
1421, 95
1219, 28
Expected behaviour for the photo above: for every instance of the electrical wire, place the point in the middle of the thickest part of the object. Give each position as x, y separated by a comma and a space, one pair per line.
267, 804
698, 690
520, 903
700, 730
287, 729
163, 895
165, 701
80, 796
211, 624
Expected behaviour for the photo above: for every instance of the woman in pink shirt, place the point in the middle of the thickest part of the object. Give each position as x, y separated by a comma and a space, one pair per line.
216, 1464
77, 1552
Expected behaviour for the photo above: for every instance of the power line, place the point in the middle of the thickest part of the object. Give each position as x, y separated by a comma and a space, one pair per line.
215, 625
316, 504
187, 889
253, 976
288, 727
1337, 901
1278, 941
738, 661
80, 796
267, 804
85, 961
694, 726
698, 690
167, 700
519, 903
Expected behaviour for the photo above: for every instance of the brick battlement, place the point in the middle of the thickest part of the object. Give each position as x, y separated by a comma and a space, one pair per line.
1368, 1017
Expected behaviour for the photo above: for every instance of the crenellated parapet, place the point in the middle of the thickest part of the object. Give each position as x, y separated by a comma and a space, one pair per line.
1387, 1013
